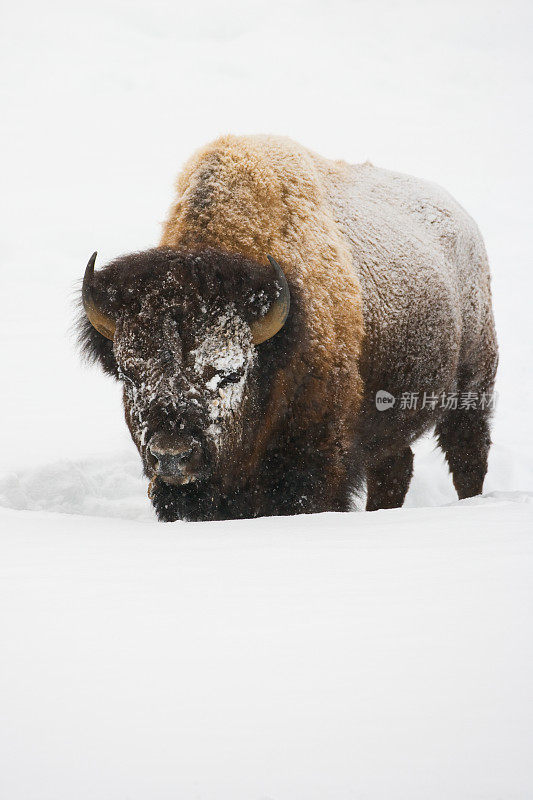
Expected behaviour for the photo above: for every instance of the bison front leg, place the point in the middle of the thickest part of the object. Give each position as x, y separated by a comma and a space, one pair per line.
308, 492
308, 479
388, 482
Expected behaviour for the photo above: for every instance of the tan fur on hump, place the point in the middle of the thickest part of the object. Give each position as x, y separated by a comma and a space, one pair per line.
262, 195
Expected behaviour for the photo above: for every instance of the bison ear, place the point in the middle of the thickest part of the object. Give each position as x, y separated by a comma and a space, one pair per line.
273, 321
102, 322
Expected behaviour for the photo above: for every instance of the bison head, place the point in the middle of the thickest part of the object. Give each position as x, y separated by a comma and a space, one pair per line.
182, 330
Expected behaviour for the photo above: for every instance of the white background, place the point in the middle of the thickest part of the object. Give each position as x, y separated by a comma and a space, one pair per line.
309, 678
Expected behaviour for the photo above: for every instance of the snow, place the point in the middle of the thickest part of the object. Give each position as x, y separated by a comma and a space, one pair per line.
374, 655
335, 656
226, 348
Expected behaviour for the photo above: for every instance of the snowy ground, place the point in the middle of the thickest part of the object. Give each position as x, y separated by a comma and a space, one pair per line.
383, 655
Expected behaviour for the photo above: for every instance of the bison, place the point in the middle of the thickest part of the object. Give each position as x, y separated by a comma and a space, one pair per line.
288, 295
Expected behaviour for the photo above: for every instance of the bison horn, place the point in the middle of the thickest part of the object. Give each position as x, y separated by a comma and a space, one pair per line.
266, 327
103, 323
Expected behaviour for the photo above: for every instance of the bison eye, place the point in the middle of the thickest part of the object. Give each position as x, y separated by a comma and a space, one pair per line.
229, 377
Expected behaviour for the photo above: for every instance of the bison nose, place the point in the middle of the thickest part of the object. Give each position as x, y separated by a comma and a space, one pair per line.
176, 460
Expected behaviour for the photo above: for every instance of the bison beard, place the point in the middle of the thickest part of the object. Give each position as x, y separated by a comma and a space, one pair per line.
284, 488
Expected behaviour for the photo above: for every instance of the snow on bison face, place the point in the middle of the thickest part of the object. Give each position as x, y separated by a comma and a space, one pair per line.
185, 391
183, 331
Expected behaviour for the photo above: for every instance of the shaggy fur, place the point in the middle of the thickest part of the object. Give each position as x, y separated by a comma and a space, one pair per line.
389, 290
